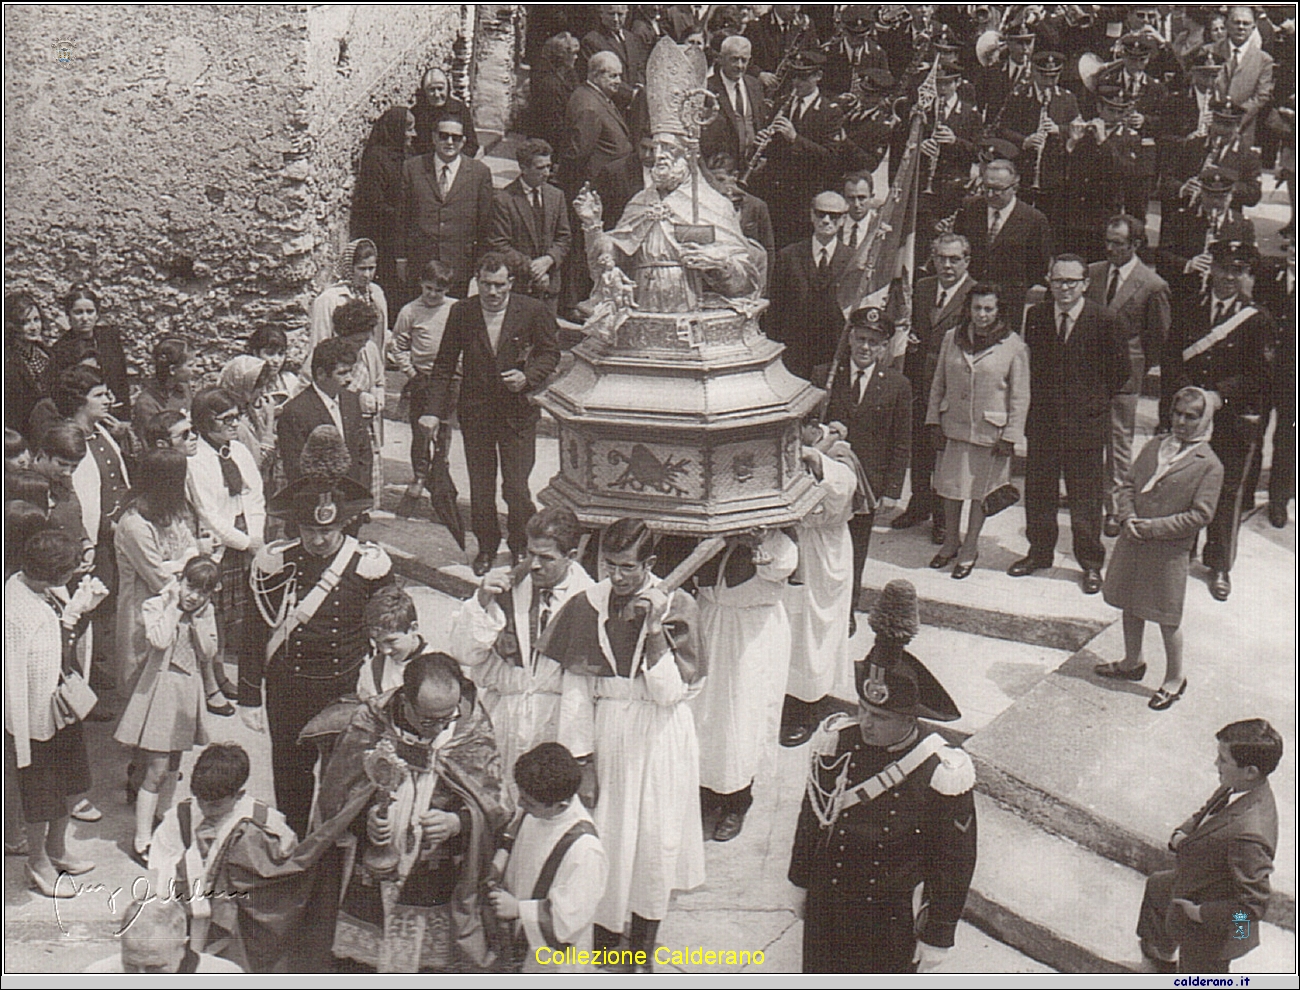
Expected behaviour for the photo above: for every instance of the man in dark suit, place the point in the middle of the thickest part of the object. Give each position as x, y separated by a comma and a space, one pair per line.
446, 208
327, 401
1036, 120
1011, 242
620, 180
433, 101
530, 216
741, 108
509, 348
1078, 362
598, 132
780, 31
1139, 298
614, 36
938, 305
1225, 344
803, 157
805, 314
1208, 908
873, 401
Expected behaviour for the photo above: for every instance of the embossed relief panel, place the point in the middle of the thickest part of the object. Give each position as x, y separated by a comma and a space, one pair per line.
670, 471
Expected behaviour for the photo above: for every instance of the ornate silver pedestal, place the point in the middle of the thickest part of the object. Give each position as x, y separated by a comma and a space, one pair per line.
687, 420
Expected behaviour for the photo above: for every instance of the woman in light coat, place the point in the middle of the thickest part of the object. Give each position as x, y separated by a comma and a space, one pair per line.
1168, 497
979, 400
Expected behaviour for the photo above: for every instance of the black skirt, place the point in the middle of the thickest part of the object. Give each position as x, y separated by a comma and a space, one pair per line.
59, 768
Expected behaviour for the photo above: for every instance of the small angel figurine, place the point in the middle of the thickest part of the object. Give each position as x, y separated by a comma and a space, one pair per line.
611, 301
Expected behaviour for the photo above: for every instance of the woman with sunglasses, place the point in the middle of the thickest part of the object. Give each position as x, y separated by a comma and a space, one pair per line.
224, 486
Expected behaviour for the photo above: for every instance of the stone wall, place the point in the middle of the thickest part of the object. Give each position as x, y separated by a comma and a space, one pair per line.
361, 61
195, 163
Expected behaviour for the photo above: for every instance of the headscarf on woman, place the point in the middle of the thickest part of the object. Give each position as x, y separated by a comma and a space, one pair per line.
240, 379
322, 310
1172, 449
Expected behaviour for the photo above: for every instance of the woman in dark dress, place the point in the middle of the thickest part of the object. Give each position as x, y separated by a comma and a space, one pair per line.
88, 338
379, 190
28, 361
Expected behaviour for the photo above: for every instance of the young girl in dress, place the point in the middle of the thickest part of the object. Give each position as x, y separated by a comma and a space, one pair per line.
164, 717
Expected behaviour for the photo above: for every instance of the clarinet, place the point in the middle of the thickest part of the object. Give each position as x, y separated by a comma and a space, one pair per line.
1043, 118
758, 157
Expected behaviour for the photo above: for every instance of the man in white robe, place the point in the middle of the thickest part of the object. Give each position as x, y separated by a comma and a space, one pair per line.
494, 635
746, 636
818, 600
631, 663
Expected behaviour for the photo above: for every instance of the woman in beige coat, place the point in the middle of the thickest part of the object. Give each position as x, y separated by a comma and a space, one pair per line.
1168, 497
979, 400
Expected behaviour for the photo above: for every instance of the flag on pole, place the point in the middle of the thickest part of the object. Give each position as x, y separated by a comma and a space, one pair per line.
879, 273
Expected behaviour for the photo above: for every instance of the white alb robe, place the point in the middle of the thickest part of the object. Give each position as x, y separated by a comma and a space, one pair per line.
819, 607
745, 635
565, 915
522, 702
647, 764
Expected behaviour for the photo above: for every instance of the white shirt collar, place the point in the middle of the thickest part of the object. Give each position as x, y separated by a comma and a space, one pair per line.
819, 247
1125, 270
806, 103
1005, 211
949, 293
1073, 312
331, 402
453, 165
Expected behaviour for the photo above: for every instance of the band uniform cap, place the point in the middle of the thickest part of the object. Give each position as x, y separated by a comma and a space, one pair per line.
1113, 96
993, 148
856, 17
317, 501
1206, 58
1240, 255
1217, 178
894, 680
947, 73
1049, 62
871, 318
1227, 111
806, 61
1021, 34
1135, 45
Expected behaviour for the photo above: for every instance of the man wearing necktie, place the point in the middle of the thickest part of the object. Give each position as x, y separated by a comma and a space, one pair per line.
805, 313
1139, 298
740, 103
445, 209
495, 632
529, 216
1247, 73
876, 409
1078, 362
1208, 908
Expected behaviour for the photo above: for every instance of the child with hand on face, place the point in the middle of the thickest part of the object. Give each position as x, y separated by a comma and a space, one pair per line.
395, 639
553, 875
164, 717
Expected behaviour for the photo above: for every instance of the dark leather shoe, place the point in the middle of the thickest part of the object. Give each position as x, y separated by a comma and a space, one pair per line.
483, 563
1027, 565
1220, 585
1163, 699
941, 560
1112, 526
729, 826
1118, 673
913, 515
794, 735
1091, 580
1277, 514
962, 571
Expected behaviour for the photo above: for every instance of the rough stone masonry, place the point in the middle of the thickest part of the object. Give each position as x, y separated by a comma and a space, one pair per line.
195, 162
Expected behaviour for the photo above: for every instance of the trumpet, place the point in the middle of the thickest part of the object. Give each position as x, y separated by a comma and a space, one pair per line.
758, 156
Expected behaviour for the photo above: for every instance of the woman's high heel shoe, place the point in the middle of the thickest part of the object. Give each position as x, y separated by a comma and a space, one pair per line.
963, 570
941, 560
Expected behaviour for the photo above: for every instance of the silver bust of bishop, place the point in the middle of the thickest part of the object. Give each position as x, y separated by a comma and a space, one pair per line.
680, 238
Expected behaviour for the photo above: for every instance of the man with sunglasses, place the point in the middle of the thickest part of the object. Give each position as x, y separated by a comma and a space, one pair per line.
805, 314
416, 772
445, 209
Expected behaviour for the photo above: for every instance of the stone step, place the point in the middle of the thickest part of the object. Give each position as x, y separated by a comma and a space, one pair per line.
1068, 907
